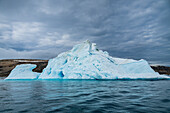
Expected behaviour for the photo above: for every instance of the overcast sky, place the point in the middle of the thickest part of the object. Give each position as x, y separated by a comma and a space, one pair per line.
138, 29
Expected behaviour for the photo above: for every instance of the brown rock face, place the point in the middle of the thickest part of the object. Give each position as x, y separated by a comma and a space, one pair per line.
6, 66
161, 69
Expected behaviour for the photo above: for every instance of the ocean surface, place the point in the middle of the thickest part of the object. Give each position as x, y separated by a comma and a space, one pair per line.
81, 96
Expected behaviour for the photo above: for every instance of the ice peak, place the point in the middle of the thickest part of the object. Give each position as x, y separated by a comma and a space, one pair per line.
87, 42
84, 47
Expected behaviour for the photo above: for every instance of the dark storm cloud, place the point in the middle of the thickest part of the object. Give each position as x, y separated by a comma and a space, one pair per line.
124, 28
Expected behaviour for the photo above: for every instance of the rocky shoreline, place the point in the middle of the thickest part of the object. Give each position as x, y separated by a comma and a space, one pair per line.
161, 69
7, 65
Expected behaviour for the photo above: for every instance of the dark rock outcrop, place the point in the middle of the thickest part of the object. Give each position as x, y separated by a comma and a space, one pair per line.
161, 69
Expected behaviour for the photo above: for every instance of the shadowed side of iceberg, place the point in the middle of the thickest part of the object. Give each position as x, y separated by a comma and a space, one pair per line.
23, 71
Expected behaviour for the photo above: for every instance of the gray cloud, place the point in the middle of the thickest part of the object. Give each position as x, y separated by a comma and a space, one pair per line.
125, 28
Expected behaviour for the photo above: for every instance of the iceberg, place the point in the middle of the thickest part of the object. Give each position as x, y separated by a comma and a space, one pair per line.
85, 61
23, 71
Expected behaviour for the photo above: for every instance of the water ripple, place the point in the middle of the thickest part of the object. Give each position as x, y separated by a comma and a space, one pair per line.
84, 96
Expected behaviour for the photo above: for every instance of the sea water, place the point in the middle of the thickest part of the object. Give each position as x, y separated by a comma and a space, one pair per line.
81, 96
